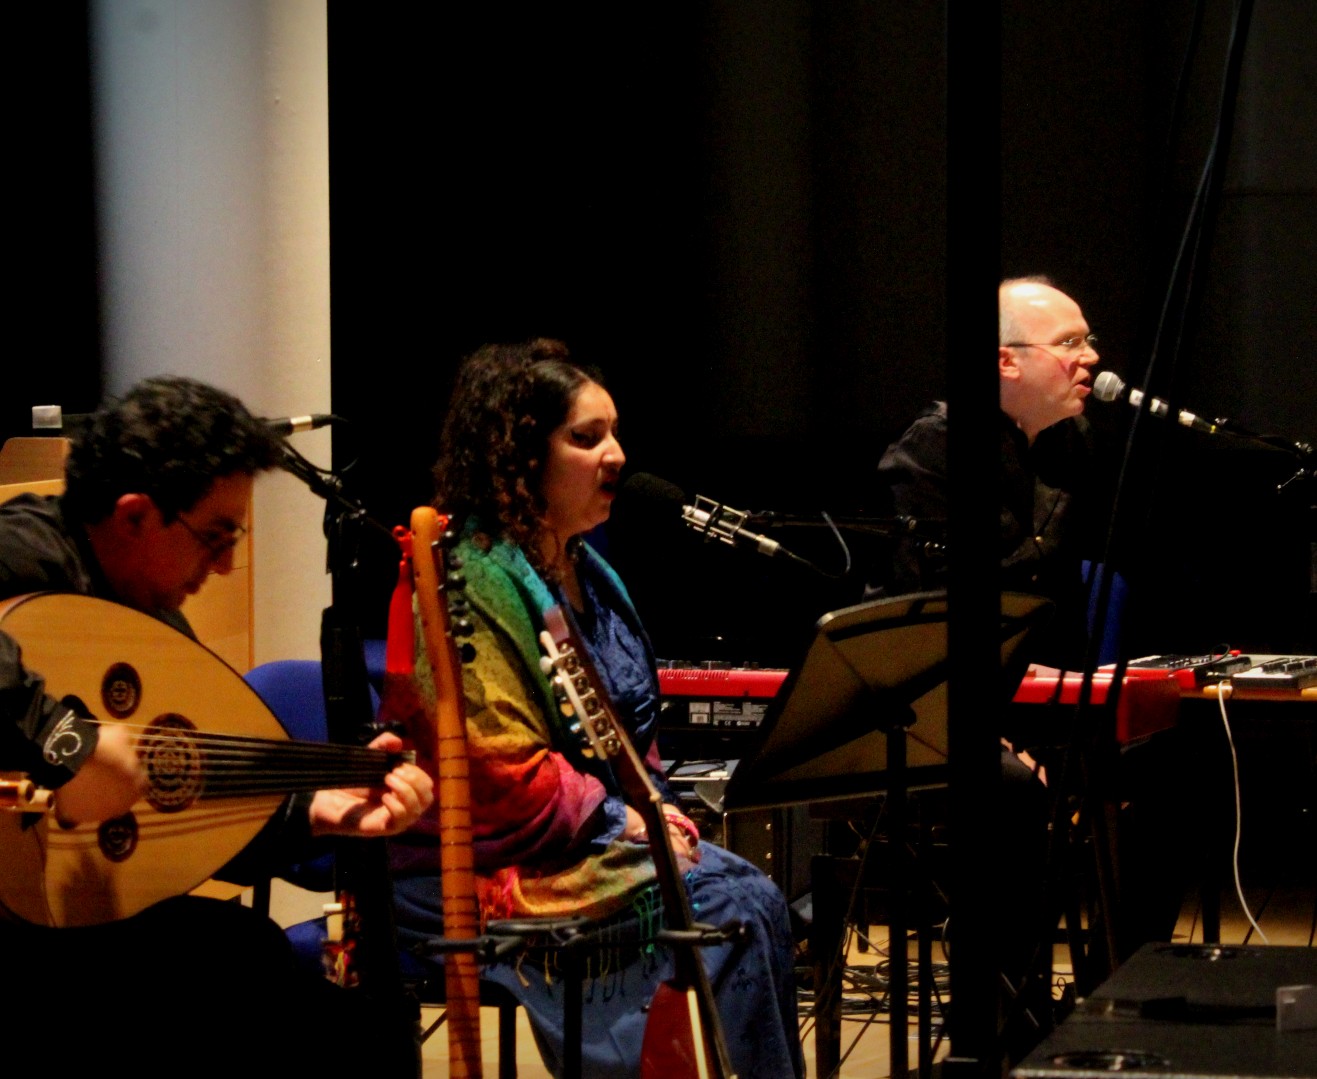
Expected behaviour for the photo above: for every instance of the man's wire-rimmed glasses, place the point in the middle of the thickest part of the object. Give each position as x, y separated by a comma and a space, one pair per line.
217, 543
1070, 344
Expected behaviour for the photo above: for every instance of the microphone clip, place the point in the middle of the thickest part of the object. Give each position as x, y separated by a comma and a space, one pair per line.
714, 520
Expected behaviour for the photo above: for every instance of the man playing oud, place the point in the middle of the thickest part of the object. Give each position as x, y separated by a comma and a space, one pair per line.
157, 490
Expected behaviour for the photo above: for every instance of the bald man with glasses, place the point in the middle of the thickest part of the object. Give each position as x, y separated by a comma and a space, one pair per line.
1044, 367
1053, 514
1044, 360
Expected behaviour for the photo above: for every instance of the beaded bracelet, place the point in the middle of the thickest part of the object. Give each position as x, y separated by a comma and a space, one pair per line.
682, 823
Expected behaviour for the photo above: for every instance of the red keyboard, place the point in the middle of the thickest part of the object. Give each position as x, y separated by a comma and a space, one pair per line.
1149, 701
758, 683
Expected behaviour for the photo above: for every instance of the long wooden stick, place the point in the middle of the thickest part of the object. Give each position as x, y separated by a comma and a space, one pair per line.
457, 858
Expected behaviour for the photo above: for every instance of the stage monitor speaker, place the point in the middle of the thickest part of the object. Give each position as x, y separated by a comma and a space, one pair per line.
780, 842
1189, 1011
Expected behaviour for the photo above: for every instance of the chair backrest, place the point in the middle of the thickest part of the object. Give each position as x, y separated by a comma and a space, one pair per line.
1113, 626
295, 693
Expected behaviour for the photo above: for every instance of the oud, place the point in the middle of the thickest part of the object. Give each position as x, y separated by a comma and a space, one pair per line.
217, 760
683, 1032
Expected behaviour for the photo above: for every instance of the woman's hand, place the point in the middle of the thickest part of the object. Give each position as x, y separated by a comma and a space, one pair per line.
634, 829
686, 849
683, 836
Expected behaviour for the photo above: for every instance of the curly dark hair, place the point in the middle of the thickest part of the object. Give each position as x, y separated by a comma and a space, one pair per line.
506, 401
169, 438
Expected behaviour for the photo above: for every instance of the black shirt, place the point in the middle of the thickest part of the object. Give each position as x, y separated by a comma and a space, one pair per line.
1045, 524
40, 735
41, 550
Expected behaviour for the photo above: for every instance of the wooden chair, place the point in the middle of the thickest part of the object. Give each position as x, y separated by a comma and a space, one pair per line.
32, 466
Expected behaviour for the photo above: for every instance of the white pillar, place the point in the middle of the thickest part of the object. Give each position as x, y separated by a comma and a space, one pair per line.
212, 140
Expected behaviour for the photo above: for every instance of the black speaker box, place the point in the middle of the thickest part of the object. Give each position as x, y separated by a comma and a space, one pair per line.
779, 841
1201, 1011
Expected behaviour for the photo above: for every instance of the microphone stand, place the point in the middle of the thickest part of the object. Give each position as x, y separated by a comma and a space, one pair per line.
361, 867
931, 532
1303, 451
930, 529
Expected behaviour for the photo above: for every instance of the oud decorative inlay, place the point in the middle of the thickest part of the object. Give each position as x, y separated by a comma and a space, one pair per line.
173, 762
117, 837
121, 690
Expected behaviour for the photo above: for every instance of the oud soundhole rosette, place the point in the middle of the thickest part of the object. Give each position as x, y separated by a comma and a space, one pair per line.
121, 690
172, 758
117, 837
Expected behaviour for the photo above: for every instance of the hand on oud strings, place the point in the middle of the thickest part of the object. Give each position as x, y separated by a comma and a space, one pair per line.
375, 811
109, 781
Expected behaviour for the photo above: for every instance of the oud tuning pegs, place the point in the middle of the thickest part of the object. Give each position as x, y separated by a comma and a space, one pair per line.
466, 651
454, 581
463, 627
448, 539
578, 732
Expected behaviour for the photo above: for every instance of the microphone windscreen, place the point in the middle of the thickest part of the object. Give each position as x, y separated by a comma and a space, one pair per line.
644, 488
1108, 386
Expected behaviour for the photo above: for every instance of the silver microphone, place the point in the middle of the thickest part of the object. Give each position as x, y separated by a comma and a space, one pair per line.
291, 425
723, 523
707, 517
1109, 387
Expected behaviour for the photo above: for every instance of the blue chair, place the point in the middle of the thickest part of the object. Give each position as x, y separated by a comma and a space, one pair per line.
1112, 626
294, 692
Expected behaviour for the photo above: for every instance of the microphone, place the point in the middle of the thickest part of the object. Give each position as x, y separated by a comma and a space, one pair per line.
1109, 387
711, 519
292, 425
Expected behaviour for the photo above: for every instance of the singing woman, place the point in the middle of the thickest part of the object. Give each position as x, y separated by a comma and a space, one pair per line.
530, 461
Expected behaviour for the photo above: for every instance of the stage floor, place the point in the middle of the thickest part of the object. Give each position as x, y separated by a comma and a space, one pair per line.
1285, 915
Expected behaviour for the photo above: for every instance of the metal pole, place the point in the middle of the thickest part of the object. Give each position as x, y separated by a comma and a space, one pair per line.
973, 630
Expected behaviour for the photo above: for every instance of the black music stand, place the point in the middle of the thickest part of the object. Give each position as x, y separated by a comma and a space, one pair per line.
866, 712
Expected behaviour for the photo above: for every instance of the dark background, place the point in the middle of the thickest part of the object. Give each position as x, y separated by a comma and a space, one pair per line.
737, 211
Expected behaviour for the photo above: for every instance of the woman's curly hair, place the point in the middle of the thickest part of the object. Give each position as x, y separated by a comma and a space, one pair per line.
506, 401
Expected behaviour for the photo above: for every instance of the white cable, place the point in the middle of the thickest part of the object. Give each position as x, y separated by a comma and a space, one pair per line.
1234, 765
